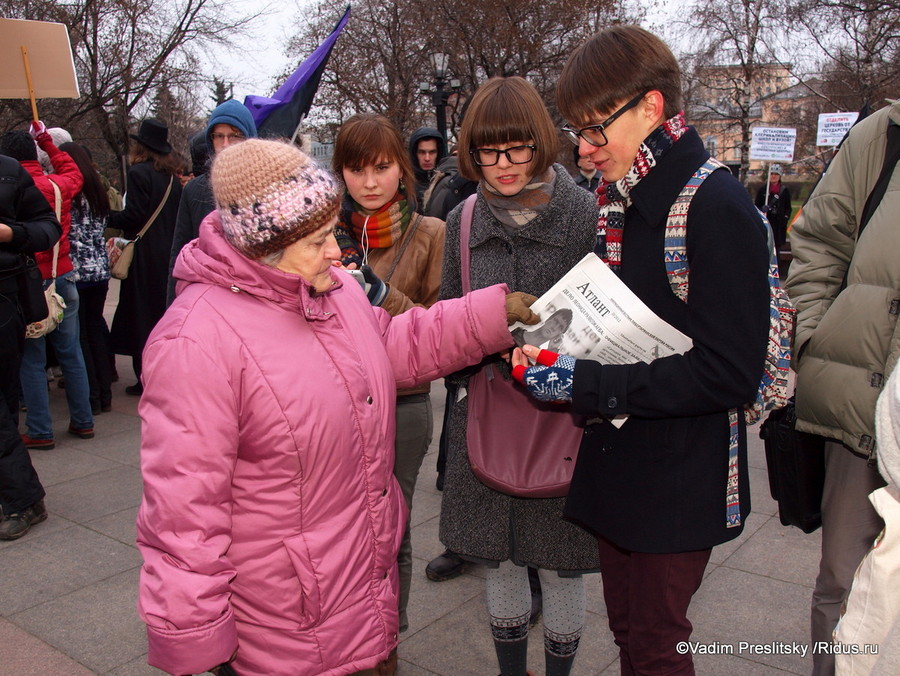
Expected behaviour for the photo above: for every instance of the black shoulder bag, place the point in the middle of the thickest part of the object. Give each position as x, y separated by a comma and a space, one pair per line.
31, 292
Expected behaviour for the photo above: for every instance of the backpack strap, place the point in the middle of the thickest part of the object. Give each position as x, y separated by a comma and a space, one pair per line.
678, 269
675, 244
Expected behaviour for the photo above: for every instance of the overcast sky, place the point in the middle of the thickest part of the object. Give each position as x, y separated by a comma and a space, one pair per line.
254, 62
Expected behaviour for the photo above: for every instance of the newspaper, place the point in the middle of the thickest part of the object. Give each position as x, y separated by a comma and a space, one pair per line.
591, 314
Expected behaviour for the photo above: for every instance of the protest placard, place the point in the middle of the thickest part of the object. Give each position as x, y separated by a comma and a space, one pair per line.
774, 144
833, 127
37, 61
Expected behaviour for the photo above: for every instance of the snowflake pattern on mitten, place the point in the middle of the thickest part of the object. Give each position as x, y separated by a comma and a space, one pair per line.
551, 382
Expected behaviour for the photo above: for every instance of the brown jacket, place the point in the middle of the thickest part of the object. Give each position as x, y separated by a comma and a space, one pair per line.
416, 277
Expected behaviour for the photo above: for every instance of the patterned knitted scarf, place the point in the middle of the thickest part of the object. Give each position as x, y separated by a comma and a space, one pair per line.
357, 232
522, 208
614, 198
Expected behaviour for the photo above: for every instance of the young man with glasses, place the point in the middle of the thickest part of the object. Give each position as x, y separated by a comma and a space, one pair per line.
671, 483
230, 123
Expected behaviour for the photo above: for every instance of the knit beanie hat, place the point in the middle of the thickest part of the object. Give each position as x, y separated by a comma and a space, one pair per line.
270, 194
234, 113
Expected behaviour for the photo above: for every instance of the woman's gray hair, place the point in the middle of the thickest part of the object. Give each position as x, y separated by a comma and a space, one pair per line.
273, 258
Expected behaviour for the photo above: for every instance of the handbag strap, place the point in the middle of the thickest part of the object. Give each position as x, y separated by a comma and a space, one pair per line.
159, 208
57, 207
465, 228
409, 237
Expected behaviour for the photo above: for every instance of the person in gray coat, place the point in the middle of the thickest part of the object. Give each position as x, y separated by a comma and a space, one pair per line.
531, 224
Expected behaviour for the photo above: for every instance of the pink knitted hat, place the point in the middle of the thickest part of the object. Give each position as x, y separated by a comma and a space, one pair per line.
270, 194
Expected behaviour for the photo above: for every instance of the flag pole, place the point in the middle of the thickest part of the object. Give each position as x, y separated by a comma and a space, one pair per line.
297, 130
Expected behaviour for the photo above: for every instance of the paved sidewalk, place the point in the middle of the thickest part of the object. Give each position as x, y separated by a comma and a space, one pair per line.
68, 588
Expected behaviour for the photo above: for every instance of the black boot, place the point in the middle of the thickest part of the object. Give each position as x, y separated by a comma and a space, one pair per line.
444, 567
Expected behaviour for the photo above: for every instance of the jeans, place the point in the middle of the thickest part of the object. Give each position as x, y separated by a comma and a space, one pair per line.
647, 598
33, 375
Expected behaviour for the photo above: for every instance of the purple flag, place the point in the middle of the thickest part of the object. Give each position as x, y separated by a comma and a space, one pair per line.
280, 115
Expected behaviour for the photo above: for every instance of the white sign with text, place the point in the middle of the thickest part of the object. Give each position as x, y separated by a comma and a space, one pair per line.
833, 127
775, 144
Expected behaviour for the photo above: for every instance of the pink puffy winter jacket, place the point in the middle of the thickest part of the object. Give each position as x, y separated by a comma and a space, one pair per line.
271, 520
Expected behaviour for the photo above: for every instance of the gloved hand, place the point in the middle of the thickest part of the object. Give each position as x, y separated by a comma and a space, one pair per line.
39, 133
376, 290
550, 379
36, 128
518, 308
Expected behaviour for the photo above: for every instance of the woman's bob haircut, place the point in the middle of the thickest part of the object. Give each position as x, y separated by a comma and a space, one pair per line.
370, 138
507, 110
612, 67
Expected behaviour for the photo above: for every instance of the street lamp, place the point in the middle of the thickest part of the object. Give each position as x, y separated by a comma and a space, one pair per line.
439, 94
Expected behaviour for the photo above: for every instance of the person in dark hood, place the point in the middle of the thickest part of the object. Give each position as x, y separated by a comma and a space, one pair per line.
199, 152
426, 149
230, 123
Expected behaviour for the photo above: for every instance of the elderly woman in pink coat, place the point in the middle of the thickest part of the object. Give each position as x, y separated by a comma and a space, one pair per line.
270, 519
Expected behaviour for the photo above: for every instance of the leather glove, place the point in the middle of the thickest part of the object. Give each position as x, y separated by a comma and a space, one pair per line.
518, 308
550, 379
376, 290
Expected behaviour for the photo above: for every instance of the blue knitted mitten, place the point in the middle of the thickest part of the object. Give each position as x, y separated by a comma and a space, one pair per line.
550, 379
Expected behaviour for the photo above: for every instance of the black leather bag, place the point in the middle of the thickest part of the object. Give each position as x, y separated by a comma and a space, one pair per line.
31, 292
796, 464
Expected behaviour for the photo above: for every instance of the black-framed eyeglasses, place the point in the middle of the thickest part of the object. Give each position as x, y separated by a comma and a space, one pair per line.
595, 134
488, 157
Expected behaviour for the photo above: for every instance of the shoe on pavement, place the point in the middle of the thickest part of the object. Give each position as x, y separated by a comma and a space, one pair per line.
83, 433
388, 667
15, 525
38, 444
135, 390
444, 567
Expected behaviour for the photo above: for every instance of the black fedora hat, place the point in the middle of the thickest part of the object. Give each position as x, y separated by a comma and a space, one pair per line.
154, 134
